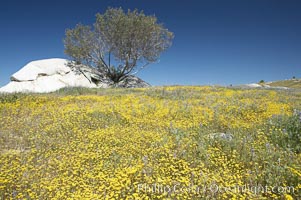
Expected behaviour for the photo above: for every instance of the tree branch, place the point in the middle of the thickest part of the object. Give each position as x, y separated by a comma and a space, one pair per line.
109, 58
140, 68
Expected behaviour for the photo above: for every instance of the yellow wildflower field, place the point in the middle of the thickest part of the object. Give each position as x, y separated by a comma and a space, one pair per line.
180, 142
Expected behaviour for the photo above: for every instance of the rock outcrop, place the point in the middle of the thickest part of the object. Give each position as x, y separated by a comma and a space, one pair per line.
256, 85
132, 82
49, 75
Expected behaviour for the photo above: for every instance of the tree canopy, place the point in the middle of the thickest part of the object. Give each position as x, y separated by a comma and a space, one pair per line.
119, 43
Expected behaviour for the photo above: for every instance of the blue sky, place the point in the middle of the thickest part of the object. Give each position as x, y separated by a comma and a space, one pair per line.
216, 41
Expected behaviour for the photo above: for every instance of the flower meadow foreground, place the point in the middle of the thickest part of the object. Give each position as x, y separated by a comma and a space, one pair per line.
156, 143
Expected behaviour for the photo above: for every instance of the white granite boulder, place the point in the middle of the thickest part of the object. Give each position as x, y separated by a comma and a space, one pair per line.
49, 75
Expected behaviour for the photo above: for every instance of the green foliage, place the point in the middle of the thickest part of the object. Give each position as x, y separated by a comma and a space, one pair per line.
261, 81
9, 98
120, 43
78, 43
286, 131
75, 91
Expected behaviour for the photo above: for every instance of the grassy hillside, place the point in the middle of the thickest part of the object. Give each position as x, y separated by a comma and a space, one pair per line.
156, 143
292, 83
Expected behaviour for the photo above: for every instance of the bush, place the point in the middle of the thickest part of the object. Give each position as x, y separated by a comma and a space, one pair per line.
261, 81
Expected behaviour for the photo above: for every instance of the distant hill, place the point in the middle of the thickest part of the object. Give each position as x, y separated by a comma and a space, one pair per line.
281, 84
291, 83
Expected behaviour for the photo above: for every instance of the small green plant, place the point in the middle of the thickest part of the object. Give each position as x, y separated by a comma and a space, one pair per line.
261, 81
